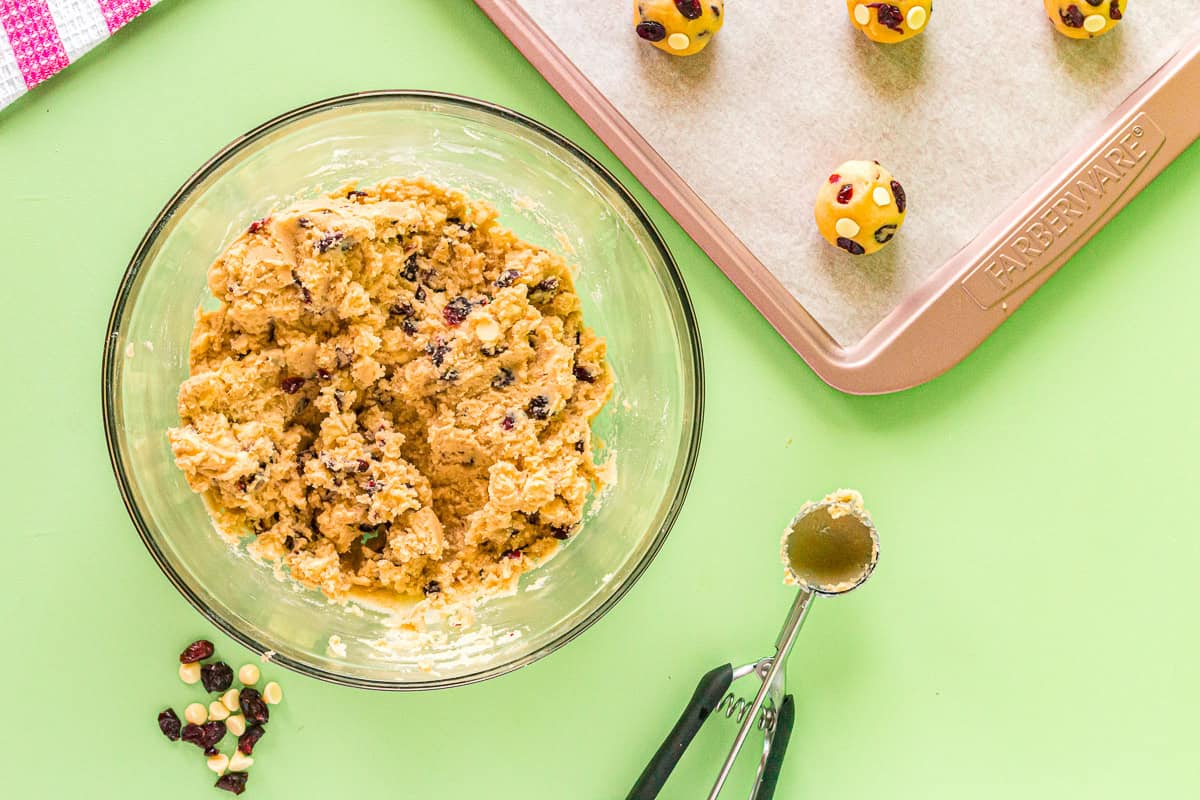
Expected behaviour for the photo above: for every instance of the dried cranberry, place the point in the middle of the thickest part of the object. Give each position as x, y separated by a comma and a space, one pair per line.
372, 486
846, 193
196, 651
169, 724
449, 376
691, 9
409, 327
651, 31
834, 178
437, 350
850, 246
456, 311
291, 385
304, 222
409, 273
901, 197
507, 278
503, 378
258, 225
193, 734
509, 422
253, 733
539, 407
328, 241
1114, 10
885, 233
216, 677
324, 374
419, 294
583, 374
232, 782
212, 732
1071, 16
255, 709
513, 554
548, 285
404, 310
560, 532
890, 16
580, 446
363, 466
355, 194
431, 588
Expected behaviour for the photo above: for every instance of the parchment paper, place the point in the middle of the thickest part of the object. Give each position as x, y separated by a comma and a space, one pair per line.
966, 116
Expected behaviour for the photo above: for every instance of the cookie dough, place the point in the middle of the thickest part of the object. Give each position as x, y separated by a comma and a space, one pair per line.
890, 22
860, 207
393, 396
1085, 19
679, 27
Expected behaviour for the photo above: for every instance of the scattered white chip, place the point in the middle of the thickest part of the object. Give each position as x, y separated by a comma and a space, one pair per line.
218, 763
248, 674
239, 761
847, 227
190, 673
1094, 23
232, 699
273, 693
862, 14
236, 725
196, 714
678, 41
917, 17
217, 710
881, 197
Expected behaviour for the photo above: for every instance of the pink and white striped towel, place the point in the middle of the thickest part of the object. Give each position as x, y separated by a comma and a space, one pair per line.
40, 37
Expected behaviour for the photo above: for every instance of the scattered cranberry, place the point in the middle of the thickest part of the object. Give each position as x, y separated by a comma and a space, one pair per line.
456, 311
363, 466
503, 378
324, 374
579, 446
304, 222
458, 221
437, 350
548, 285
651, 31
846, 193
216, 677
419, 294
691, 9
373, 486
513, 554
232, 782
539, 407
253, 733
196, 651
1114, 9
213, 732
409, 273
291, 385
834, 178
404, 310
560, 532
850, 246
507, 278
885, 234
258, 225
509, 422
583, 374
328, 241
890, 16
169, 724
901, 197
409, 327
431, 588
355, 195
193, 734
1071, 16
254, 708
450, 376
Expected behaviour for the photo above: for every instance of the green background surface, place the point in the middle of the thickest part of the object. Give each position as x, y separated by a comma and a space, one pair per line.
1031, 629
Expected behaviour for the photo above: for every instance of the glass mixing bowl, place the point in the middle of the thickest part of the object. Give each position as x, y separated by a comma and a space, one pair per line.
549, 192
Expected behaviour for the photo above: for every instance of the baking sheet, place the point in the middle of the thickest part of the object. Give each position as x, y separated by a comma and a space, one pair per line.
967, 116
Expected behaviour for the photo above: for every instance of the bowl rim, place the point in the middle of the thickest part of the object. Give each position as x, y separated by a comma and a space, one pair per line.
110, 361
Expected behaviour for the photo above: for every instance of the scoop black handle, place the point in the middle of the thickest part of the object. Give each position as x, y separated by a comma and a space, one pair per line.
779, 743
708, 695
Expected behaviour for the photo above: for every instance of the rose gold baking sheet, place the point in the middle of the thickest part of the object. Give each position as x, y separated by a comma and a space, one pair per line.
1014, 144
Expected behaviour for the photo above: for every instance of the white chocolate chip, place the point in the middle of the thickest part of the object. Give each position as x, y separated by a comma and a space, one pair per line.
232, 699
847, 227
1094, 23
236, 725
218, 763
189, 673
678, 41
248, 674
881, 197
917, 17
239, 761
217, 710
862, 14
272, 693
196, 714
488, 330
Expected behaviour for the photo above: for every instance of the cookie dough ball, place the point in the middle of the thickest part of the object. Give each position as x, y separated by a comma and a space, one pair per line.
860, 207
679, 27
1085, 19
890, 22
